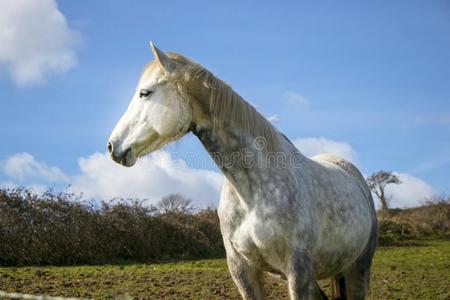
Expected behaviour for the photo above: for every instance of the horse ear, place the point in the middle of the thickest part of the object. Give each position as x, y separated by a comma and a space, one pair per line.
164, 61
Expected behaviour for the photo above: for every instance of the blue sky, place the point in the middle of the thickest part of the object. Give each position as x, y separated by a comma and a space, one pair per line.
372, 79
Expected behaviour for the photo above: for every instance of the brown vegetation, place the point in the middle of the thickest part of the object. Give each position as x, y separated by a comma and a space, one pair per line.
60, 229
431, 220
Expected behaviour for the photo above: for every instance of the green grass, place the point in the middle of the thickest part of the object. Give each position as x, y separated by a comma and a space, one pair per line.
410, 272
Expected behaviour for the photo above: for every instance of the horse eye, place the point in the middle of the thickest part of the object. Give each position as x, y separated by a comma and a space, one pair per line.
144, 93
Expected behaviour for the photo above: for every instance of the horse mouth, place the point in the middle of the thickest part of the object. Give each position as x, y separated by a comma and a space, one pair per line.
126, 158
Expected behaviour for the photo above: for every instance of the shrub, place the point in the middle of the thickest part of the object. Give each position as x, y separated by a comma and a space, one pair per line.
431, 220
59, 229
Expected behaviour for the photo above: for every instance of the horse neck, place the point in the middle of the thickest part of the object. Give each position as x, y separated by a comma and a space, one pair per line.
248, 168
234, 154
238, 152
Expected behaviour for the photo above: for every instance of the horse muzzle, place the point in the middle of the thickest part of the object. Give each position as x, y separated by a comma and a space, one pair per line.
125, 158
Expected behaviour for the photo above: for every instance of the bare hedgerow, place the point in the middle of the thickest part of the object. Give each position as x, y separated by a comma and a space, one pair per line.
431, 220
59, 229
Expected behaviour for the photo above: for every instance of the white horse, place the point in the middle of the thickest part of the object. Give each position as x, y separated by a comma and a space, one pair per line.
280, 212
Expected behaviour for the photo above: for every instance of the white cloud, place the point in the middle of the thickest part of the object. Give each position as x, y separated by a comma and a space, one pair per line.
273, 118
160, 174
295, 98
35, 40
23, 166
412, 191
312, 146
152, 178
37, 189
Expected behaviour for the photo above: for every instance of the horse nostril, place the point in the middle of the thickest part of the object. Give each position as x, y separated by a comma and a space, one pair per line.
110, 147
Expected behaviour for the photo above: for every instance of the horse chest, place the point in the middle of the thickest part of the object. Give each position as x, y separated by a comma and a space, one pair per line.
261, 241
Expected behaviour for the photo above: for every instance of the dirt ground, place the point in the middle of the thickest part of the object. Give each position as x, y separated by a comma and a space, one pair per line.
413, 272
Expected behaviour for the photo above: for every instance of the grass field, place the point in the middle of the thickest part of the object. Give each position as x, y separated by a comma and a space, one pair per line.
411, 272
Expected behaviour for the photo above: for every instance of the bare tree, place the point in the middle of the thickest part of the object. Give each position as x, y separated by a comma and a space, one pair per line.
175, 203
377, 183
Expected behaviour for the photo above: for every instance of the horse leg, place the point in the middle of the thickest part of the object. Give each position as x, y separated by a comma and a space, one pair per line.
301, 280
357, 276
247, 279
